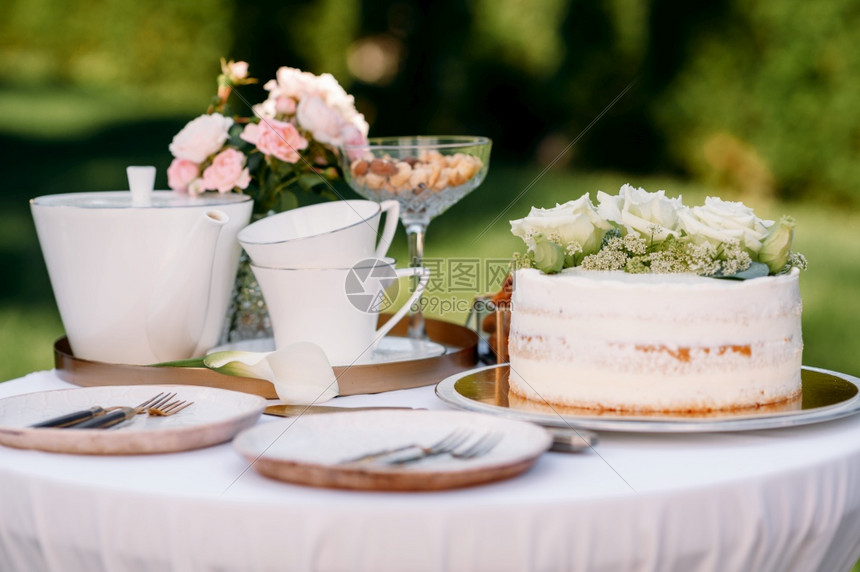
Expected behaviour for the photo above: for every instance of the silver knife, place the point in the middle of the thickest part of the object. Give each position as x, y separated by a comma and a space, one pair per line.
71, 419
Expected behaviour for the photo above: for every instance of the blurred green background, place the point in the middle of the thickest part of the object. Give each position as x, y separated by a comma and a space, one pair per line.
753, 101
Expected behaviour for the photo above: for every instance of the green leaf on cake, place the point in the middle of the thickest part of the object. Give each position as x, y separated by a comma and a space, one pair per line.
755, 270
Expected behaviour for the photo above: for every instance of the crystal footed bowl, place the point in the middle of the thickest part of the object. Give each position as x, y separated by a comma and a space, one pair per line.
425, 174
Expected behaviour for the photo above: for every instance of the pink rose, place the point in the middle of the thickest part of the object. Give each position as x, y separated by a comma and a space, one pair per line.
352, 135
201, 137
251, 133
180, 173
227, 172
322, 121
276, 138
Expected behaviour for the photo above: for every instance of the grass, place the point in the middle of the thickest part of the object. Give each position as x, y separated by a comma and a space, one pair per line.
27, 336
475, 232
70, 113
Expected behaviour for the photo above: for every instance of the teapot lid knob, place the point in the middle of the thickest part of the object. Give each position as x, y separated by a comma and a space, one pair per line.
141, 182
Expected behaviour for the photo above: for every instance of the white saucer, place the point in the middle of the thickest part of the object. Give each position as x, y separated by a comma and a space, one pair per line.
391, 349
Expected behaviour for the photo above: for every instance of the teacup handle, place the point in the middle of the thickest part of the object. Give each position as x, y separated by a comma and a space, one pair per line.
392, 217
424, 279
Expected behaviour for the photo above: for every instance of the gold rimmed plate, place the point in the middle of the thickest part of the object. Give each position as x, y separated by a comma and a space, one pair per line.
826, 395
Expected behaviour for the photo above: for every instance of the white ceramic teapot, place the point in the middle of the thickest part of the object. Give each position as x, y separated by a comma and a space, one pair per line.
144, 276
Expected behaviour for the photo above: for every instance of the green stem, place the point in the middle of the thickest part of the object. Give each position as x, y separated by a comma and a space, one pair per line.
283, 185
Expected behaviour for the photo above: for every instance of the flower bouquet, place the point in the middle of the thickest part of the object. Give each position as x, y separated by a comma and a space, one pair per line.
283, 152
640, 232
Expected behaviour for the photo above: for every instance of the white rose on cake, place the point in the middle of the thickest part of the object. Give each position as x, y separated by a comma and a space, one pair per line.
575, 223
652, 215
638, 232
719, 222
776, 246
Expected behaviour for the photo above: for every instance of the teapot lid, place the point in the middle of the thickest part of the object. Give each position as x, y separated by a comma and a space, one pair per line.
123, 199
141, 195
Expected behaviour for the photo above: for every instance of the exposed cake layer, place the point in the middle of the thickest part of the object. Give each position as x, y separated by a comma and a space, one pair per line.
785, 406
610, 340
594, 387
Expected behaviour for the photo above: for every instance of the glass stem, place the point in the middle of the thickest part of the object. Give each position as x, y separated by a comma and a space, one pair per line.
415, 233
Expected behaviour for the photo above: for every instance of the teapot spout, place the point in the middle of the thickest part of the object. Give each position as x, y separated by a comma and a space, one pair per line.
180, 300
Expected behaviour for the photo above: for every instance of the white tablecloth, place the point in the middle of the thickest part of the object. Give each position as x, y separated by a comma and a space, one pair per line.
786, 499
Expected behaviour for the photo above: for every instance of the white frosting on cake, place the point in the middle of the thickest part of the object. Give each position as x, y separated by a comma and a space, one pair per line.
654, 342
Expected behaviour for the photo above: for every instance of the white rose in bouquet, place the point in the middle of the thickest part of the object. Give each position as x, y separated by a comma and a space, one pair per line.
719, 222
201, 137
652, 215
574, 222
324, 122
320, 104
285, 154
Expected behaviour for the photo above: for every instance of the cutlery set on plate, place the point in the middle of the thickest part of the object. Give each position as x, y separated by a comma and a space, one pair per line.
564, 440
455, 445
459, 444
98, 417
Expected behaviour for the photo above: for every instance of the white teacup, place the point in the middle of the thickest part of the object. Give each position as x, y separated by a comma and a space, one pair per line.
327, 235
335, 308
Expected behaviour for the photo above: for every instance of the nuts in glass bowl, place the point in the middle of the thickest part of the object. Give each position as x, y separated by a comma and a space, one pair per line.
430, 170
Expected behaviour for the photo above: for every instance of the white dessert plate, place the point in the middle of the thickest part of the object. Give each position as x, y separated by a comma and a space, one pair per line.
215, 417
826, 395
391, 349
311, 450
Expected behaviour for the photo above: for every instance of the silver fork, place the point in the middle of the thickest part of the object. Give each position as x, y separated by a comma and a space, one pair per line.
480, 447
446, 446
168, 409
447, 443
120, 414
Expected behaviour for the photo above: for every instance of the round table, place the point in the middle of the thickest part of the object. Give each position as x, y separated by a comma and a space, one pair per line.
786, 499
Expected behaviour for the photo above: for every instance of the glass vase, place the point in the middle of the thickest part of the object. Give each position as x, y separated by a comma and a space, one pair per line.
247, 315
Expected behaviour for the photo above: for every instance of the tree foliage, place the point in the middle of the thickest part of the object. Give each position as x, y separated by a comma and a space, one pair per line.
760, 97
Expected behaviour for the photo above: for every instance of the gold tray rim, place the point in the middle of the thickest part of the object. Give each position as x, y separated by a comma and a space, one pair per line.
462, 355
745, 420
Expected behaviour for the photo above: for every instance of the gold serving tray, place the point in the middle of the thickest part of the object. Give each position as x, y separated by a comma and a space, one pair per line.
460, 341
